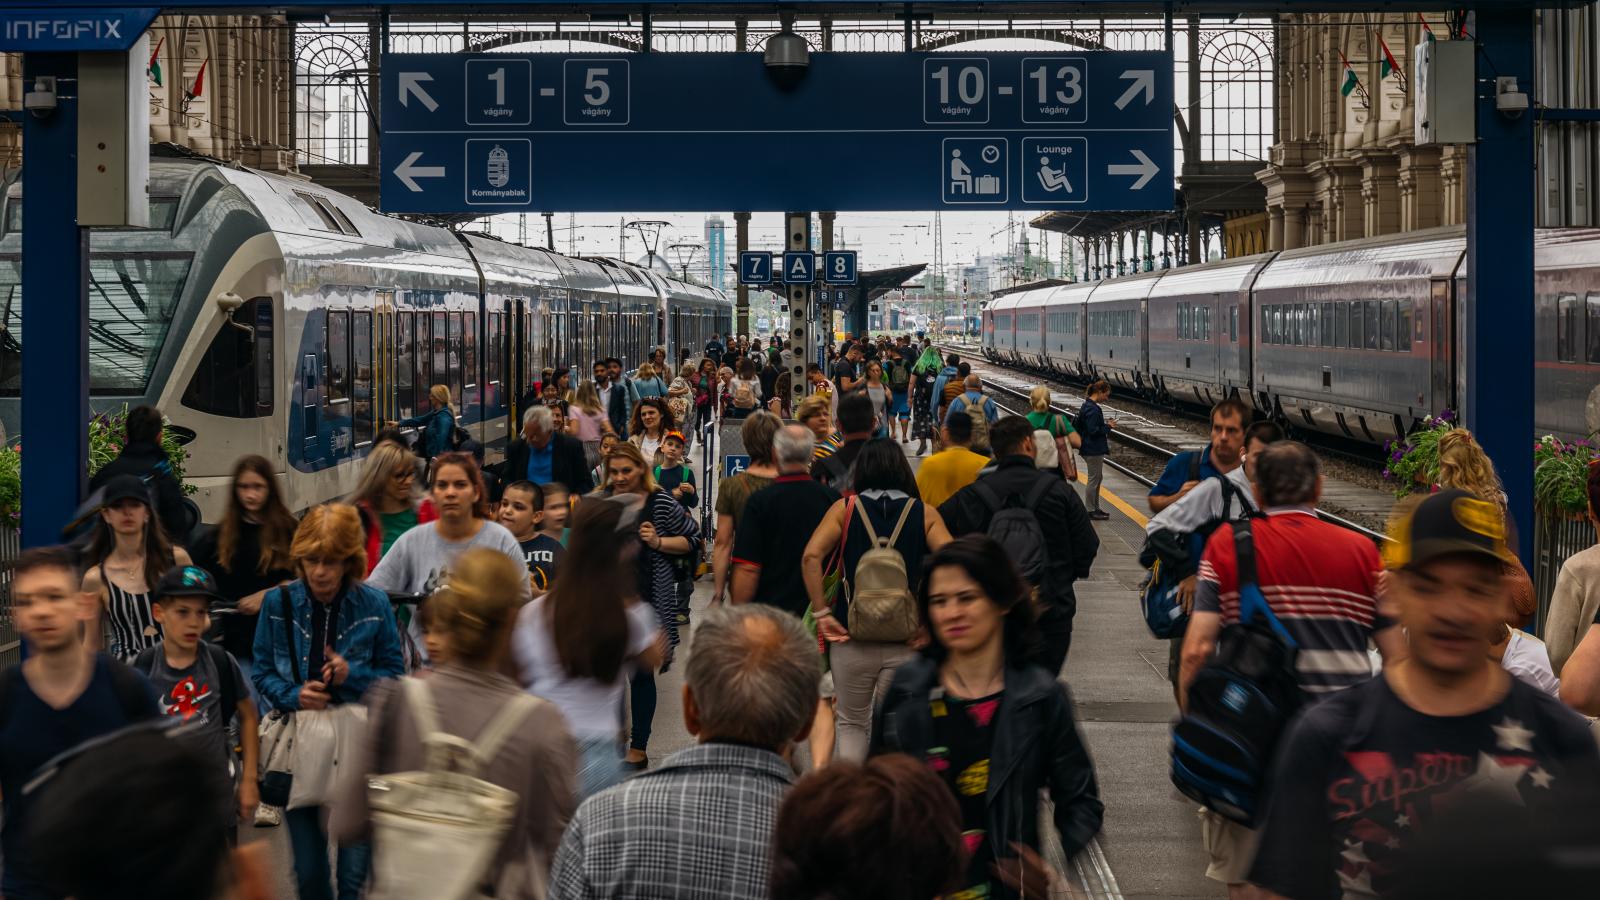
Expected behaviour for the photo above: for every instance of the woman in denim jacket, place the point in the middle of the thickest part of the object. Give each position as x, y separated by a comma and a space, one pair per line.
344, 638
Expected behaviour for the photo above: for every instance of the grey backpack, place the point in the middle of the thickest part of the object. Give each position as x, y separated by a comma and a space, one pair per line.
1014, 526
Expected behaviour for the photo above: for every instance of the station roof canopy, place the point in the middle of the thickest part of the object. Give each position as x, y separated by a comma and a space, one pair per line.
807, 8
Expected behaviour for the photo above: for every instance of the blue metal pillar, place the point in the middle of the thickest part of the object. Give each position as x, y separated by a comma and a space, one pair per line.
55, 310
1498, 392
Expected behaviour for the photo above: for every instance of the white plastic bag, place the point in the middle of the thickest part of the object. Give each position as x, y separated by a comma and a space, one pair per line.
323, 738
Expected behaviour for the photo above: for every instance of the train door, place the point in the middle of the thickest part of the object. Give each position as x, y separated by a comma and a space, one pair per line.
517, 373
1441, 347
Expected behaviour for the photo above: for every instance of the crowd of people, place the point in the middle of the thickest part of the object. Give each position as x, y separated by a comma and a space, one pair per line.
446, 683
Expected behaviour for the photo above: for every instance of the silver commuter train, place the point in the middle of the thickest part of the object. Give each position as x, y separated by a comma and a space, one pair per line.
346, 318
1357, 339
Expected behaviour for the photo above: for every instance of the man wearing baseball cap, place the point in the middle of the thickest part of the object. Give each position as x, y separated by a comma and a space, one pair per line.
200, 683
1378, 769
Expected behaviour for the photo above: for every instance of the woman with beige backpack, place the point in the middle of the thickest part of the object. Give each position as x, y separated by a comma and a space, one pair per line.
464, 783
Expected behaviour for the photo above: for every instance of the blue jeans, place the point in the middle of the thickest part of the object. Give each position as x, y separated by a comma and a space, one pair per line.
599, 765
309, 843
643, 686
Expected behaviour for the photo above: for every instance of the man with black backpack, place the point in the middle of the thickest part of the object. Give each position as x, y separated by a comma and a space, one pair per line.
1318, 584
1040, 521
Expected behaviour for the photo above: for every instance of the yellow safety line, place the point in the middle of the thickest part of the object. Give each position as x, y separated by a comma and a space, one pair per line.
1122, 505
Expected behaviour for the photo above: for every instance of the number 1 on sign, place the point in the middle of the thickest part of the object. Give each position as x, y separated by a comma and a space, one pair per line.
498, 76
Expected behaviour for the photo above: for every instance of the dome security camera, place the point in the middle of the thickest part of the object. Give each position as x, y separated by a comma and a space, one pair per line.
787, 58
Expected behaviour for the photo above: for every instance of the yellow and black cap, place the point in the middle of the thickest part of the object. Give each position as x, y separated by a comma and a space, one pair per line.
1447, 523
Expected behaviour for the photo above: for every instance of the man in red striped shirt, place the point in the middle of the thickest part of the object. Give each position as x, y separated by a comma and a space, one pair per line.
1321, 582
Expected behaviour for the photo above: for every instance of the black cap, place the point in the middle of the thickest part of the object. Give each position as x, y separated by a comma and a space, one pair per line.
1444, 524
124, 487
187, 581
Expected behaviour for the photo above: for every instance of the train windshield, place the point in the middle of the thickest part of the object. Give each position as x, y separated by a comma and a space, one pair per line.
132, 301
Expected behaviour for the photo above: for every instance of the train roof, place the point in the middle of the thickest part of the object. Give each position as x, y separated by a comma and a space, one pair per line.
1223, 276
1565, 248
1430, 253
1135, 287
1071, 294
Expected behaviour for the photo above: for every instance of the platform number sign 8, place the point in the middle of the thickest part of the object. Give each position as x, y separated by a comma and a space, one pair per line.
955, 89
596, 91
839, 267
1054, 89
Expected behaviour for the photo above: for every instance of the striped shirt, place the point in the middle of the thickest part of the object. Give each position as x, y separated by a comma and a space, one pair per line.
1320, 580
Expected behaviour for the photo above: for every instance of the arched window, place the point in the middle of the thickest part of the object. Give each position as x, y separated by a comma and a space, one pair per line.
330, 76
1236, 90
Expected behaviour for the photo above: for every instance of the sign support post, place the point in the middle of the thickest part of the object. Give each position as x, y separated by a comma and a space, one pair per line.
1498, 345
802, 334
741, 306
55, 308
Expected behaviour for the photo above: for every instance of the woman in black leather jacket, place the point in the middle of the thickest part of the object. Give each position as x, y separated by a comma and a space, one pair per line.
994, 725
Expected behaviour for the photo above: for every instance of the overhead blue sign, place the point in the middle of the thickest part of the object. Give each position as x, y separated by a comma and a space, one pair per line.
839, 267
72, 29
755, 267
799, 267
862, 131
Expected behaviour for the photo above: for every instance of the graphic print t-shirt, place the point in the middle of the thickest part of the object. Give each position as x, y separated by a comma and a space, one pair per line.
543, 554
1361, 777
966, 730
194, 694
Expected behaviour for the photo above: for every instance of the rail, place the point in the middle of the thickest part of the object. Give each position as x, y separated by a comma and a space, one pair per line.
1163, 453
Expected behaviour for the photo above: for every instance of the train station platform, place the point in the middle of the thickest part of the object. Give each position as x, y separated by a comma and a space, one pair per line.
1150, 843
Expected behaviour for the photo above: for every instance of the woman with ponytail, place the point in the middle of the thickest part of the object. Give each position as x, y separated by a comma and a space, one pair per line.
476, 611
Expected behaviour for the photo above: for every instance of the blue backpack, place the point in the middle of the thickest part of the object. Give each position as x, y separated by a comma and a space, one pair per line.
1169, 557
1239, 704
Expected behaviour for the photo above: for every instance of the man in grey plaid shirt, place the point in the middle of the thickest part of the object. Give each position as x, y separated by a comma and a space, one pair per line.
700, 825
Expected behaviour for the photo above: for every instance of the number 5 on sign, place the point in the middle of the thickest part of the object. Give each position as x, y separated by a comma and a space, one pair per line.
1054, 89
839, 267
955, 89
595, 91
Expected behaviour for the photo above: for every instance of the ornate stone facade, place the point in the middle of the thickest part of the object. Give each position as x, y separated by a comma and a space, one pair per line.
1346, 166
243, 110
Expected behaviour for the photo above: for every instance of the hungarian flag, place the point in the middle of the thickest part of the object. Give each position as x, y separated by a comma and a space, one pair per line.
199, 80
1389, 65
154, 69
1351, 82
1427, 32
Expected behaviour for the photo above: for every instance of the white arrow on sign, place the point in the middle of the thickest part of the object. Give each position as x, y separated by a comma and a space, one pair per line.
411, 83
1143, 80
408, 172
1145, 169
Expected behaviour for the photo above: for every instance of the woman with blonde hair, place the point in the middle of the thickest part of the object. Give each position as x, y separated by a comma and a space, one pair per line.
321, 642
649, 382
388, 499
589, 420
476, 613
437, 424
1065, 438
1464, 465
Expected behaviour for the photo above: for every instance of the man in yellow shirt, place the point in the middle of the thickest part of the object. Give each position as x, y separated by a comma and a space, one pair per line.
952, 468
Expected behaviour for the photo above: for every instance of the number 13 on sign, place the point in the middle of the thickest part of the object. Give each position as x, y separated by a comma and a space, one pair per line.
1054, 89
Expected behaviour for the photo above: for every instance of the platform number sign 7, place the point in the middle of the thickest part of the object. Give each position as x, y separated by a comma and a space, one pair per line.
839, 267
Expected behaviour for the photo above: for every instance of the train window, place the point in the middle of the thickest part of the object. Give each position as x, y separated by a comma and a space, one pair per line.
336, 357
452, 357
1355, 324
1402, 327
1386, 320
1297, 318
494, 361
315, 214
1592, 305
405, 382
1569, 328
1341, 324
1233, 323
361, 372
1369, 323
438, 351
1313, 333
1327, 325
234, 377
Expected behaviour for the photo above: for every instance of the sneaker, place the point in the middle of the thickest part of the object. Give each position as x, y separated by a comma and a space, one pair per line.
1099, 515
268, 816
